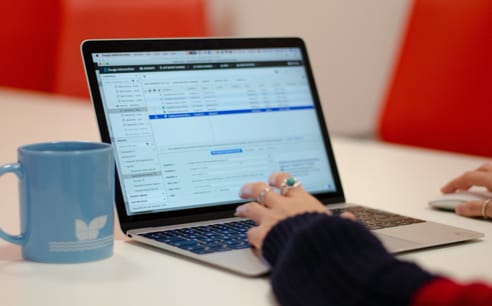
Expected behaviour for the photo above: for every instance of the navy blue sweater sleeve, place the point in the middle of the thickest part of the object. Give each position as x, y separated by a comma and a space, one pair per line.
322, 260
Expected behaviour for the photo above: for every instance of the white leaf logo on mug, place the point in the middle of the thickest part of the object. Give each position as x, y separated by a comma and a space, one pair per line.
91, 231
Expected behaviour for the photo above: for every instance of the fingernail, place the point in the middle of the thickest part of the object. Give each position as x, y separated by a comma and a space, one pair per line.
245, 191
239, 210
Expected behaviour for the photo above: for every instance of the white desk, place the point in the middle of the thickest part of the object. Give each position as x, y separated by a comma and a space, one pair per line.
385, 176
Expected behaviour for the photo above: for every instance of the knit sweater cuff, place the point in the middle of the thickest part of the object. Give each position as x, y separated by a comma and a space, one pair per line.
279, 235
318, 259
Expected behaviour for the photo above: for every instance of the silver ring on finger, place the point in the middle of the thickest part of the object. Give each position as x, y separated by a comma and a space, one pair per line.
485, 204
289, 183
262, 195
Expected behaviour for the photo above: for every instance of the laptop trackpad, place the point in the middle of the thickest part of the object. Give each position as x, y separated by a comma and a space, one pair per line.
394, 244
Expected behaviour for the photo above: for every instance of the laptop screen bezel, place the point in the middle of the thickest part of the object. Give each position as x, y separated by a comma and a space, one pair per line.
128, 222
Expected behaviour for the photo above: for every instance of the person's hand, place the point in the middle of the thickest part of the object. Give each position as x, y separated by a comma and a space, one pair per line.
317, 259
480, 177
275, 207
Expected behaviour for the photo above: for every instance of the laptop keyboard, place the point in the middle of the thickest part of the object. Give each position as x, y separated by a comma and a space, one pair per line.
376, 219
207, 238
232, 235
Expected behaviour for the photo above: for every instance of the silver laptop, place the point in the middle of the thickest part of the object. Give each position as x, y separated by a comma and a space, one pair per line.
192, 120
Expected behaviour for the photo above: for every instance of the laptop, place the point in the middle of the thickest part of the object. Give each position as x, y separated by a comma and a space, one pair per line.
192, 120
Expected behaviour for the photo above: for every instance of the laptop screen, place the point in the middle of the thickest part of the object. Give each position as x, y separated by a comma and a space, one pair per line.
190, 127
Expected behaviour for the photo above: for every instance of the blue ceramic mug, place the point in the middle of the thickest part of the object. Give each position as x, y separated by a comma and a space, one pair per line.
66, 194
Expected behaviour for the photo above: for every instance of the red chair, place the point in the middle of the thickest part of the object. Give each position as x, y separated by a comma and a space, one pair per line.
43, 49
440, 96
29, 41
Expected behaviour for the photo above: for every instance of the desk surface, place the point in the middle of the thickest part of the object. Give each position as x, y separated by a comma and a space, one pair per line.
395, 178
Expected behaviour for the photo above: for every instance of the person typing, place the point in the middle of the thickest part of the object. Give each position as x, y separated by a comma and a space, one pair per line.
318, 258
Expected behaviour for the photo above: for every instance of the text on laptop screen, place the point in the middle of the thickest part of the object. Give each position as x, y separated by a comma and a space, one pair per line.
189, 128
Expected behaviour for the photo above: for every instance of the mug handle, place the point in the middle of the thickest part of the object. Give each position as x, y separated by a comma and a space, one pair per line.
17, 170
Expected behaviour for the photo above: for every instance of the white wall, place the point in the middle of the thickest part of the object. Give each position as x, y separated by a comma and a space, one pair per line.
351, 43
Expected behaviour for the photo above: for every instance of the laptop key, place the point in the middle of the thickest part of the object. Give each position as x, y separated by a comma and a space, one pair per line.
220, 247
202, 251
183, 243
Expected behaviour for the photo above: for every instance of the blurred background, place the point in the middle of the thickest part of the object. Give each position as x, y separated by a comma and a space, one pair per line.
352, 46
403, 71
